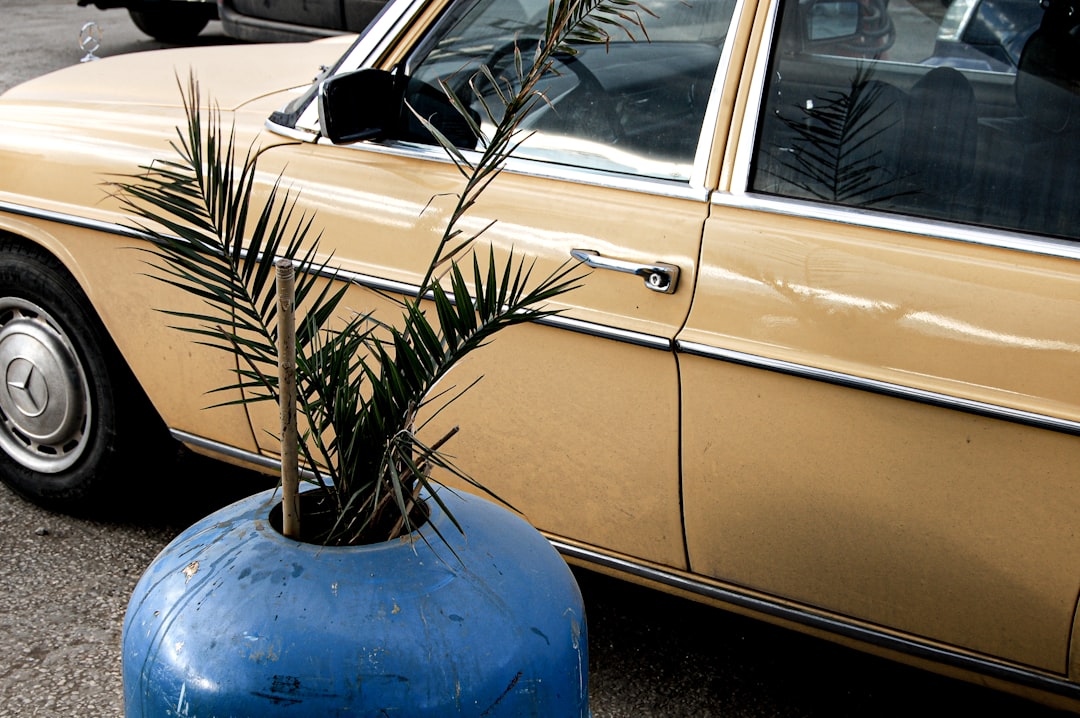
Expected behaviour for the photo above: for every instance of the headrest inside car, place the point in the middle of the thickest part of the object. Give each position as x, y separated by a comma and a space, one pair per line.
1048, 76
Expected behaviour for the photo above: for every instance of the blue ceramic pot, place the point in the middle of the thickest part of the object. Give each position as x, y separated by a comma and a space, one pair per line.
233, 619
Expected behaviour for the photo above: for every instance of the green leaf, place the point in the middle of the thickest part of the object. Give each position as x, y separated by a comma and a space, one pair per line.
361, 379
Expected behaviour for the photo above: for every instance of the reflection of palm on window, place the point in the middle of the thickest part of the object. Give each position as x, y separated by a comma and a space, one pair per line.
873, 145
845, 144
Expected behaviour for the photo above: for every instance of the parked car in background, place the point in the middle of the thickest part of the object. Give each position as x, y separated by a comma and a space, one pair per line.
824, 368
181, 21
986, 34
172, 21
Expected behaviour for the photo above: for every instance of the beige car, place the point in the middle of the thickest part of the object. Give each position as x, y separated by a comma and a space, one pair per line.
825, 366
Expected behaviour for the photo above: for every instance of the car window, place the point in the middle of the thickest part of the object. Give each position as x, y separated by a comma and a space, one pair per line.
628, 106
987, 34
906, 106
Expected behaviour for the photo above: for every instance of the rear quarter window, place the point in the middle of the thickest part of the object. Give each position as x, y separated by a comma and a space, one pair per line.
869, 104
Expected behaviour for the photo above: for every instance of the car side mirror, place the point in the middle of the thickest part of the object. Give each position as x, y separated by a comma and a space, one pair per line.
361, 105
831, 20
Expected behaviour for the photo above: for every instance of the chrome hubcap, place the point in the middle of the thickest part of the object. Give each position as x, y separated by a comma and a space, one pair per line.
44, 395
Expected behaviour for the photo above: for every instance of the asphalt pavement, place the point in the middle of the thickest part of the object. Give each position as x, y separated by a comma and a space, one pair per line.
65, 581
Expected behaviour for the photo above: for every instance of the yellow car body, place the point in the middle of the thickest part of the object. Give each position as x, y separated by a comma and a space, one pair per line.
856, 418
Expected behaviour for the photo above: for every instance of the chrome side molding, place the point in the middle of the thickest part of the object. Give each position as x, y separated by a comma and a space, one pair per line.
875, 386
806, 616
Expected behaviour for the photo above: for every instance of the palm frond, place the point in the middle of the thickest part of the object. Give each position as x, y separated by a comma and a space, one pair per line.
361, 380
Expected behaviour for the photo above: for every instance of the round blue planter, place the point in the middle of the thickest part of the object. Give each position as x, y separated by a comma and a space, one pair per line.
233, 619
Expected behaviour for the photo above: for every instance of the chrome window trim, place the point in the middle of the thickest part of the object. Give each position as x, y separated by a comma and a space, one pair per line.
938, 229
382, 33
804, 616
899, 391
676, 189
290, 132
744, 151
707, 134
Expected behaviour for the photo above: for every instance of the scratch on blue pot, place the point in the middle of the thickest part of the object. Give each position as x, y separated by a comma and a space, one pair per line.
263, 652
181, 706
285, 684
493, 706
540, 633
281, 700
575, 641
575, 627
284, 690
190, 570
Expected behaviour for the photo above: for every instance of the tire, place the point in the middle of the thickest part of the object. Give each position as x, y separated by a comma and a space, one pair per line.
173, 22
73, 421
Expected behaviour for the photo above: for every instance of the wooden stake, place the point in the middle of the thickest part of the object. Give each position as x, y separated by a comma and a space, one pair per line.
290, 470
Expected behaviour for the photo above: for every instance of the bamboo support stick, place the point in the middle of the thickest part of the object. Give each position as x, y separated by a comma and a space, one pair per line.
290, 471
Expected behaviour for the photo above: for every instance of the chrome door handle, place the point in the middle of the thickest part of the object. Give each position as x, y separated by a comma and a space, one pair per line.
659, 277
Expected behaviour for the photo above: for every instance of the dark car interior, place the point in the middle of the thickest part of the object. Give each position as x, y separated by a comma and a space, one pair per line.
926, 139
629, 102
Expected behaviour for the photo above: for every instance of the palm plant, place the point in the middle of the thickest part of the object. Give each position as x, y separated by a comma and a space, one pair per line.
361, 381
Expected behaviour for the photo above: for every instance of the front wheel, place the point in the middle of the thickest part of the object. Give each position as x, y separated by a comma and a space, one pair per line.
172, 22
72, 419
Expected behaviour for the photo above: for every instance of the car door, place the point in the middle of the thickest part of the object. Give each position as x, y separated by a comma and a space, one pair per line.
881, 386
575, 421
